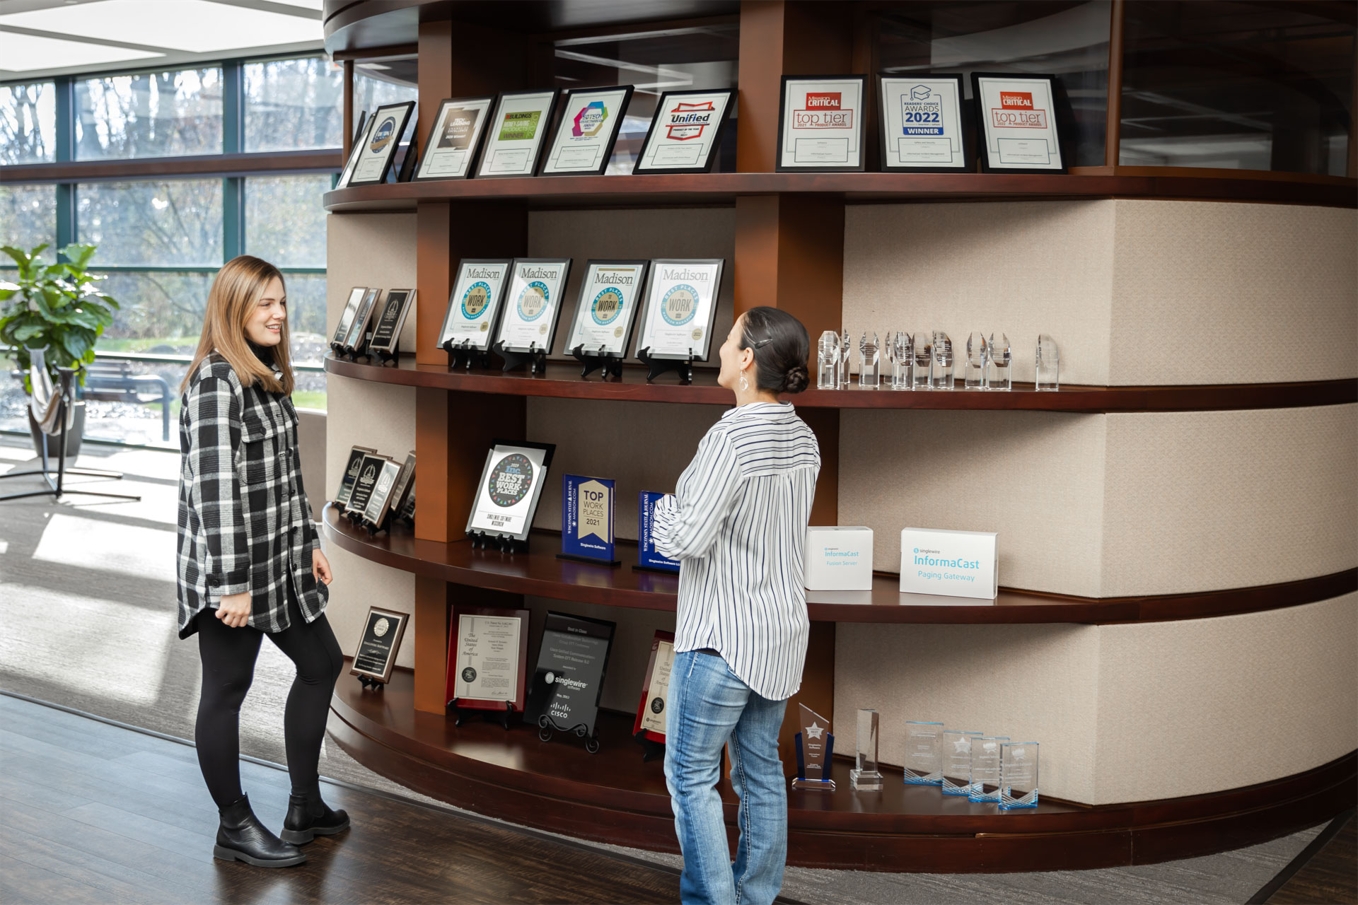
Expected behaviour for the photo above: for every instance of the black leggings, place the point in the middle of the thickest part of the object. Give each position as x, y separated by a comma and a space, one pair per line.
228, 656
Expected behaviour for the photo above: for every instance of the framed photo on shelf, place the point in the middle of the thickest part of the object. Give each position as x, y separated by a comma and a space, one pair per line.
475, 303
655, 685
379, 644
379, 146
922, 125
587, 131
487, 659
681, 303
1019, 128
610, 295
454, 138
516, 134
532, 303
686, 132
509, 489
821, 124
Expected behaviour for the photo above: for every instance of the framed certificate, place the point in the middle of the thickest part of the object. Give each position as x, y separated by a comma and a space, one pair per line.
922, 129
681, 303
510, 487
360, 132
821, 123
572, 665
532, 303
454, 138
390, 320
346, 319
517, 131
686, 132
610, 295
650, 721
488, 659
590, 119
1018, 128
474, 305
379, 146
378, 645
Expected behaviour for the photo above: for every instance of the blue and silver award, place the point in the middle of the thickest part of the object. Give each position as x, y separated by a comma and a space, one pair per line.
647, 557
587, 519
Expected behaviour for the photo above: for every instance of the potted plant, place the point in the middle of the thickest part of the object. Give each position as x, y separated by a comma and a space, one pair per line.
57, 307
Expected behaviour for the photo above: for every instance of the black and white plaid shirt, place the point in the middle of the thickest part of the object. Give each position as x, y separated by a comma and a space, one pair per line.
244, 520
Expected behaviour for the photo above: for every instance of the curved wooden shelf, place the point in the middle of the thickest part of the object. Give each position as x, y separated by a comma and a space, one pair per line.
855, 188
614, 797
540, 574
562, 381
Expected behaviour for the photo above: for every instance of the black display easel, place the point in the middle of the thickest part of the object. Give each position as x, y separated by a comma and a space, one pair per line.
535, 358
462, 355
593, 361
657, 366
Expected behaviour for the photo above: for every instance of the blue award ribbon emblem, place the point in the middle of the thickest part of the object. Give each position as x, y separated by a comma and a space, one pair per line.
606, 307
475, 299
679, 305
587, 518
533, 300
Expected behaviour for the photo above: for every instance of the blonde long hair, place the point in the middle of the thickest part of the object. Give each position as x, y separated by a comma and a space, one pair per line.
230, 303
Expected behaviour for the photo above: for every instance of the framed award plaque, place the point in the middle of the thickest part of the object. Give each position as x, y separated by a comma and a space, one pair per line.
510, 487
922, 128
404, 486
474, 305
487, 659
610, 295
378, 508
587, 519
648, 558
454, 138
821, 124
681, 303
360, 133
650, 721
1018, 129
346, 319
351, 475
364, 484
532, 303
390, 320
358, 328
590, 119
517, 133
686, 132
572, 663
378, 645
379, 146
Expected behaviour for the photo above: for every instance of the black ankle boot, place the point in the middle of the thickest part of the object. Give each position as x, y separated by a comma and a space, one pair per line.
241, 837
309, 817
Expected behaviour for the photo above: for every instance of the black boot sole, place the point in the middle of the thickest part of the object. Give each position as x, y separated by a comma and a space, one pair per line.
302, 837
230, 854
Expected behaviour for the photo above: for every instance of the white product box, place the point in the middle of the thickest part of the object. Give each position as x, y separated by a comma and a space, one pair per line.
952, 563
838, 558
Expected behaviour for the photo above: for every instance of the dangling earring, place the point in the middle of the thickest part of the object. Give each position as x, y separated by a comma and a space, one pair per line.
744, 383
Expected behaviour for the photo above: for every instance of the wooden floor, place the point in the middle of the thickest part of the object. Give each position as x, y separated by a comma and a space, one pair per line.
1330, 877
91, 812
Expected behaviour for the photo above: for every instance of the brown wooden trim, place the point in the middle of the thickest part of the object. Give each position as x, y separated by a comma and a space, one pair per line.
1113, 131
627, 28
348, 110
377, 53
563, 381
175, 167
614, 797
541, 574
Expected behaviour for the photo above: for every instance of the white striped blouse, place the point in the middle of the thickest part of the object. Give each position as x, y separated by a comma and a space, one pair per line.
737, 525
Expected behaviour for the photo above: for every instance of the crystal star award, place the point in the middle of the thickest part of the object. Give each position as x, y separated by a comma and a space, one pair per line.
957, 761
815, 746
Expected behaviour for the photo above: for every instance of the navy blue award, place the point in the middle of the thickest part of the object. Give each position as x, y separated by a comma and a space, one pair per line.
648, 560
587, 519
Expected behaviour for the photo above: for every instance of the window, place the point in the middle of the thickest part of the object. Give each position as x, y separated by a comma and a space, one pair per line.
285, 225
28, 123
28, 217
383, 82
293, 105
155, 114
157, 224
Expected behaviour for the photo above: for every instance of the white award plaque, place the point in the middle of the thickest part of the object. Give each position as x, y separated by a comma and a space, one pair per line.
517, 129
590, 119
1018, 123
380, 144
949, 563
821, 123
487, 657
532, 302
657, 689
510, 487
454, 138
609, 297
922, 124
685, 133
681, 302
475, 304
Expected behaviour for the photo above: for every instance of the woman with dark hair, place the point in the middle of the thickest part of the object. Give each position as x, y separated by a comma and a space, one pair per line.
250, 561
737, 524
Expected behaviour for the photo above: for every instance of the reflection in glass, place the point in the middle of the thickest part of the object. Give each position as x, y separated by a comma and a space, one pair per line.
28, 123
155, 114
977, 360
845, 349
827, 361
869, 362
285, 219
28, 217
159, 224
383, 82
293, 105
1001, 361
941, 371
1048, 364
924, 360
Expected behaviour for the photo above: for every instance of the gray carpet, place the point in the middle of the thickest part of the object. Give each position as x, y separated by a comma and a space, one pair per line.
87, 602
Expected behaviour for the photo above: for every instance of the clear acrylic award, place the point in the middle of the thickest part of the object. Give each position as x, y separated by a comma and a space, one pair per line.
815, 746
957, 761
865, 777
869, 363
923, 751
827, 361
924, 358
940, 375
978, 356
1018, 775
844, 348
983, 782
999, 374
1048, 364
901, 348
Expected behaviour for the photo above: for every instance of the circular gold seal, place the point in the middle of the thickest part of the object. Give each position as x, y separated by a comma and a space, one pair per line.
697, 334
485, 326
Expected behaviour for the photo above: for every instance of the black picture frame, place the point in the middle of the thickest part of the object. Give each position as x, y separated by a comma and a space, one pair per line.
399, 116
360, 136
391, 320
548, 113
499, 343
630, 317
964, 123
861, 127
501, 446
1059, 127
473, 150
654, 273
614, 129
717, 136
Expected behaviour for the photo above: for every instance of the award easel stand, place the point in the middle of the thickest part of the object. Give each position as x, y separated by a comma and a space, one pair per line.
387, 356
354, 353
657, 366
371, 684
650, 749
483, 540
535, 358
593, 361
462, 355
491, 713
547, 727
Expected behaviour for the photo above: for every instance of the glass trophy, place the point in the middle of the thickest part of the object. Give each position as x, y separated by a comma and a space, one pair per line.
865, 777
869, 363
902, 349
924, 358
827, 367
940, 375
978, 356
923, 750
983, 782
957, 761
815, 746
999, 374
1018, 775
1048, 364
844, 348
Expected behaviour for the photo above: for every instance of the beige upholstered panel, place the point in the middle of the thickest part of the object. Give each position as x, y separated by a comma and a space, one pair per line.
1207, 292
370, 250
1021, 268
1030, 682
1192, 707
1035, 478
1204, 500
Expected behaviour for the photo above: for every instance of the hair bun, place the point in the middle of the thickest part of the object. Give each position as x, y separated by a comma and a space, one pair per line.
796, 379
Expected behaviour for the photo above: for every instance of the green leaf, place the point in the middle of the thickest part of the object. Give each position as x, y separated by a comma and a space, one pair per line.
28, 331
78, 254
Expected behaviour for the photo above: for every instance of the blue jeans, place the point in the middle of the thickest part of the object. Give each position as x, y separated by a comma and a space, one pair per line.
708, 706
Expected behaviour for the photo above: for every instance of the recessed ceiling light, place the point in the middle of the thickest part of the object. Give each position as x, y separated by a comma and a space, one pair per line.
24, 53
197, 26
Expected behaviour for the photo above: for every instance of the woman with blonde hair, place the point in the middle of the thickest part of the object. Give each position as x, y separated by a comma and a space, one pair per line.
250, 562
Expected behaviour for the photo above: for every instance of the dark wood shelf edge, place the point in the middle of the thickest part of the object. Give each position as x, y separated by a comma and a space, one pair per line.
562, 381
457, 564
1064, 838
